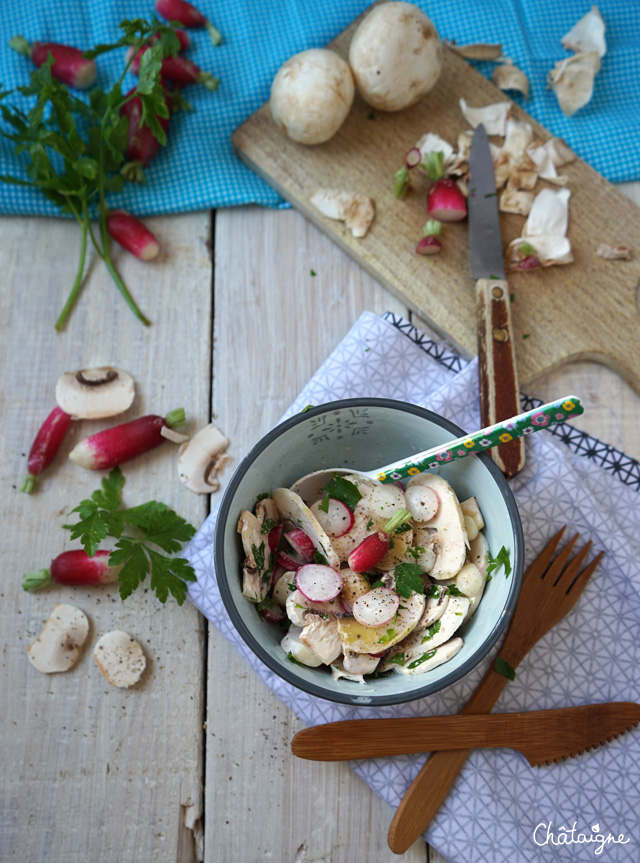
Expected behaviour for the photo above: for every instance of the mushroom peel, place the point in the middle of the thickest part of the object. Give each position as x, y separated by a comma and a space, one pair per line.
572, 80
119, 658
493, 117
59, 643
509, 77
201, 457
587, 34
311, 95
91, 394
356, 211
395, 55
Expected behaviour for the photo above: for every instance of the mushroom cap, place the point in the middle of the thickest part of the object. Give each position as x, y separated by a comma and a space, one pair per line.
59, 643
91, 394
199, 459
119, 658
311, 95
395, 55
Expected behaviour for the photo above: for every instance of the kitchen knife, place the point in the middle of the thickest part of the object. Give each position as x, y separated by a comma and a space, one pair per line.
542, 736
498, 375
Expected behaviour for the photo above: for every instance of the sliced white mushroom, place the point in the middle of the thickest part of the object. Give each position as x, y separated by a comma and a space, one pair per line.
119, 658
587, 34
426, 661
266, 510
256, 575
59, 643
479, 553
471, 582
572, 80
291, 644
291, 506
301, 610
322, 637
359, 663
339, 671
450, 621
200, 459
493, 117
614, 253
507, 76
91, 394
368, 639
284, 586
423, 550
437, 601
356, 211
451, 538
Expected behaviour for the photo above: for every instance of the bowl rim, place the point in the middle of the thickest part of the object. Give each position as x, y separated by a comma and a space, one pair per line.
289, 675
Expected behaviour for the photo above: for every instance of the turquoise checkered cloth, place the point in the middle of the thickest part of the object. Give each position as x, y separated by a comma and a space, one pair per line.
199, 170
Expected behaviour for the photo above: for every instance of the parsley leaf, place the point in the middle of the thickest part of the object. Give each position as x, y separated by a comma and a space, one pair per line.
267, 525
454, 591
102, 516
377, 583
433, 591
408, 578
343, 490
431, 631
318, 557
324, 504
425, 656
398, 659
386, 638
416, 552
502, 667
502, 558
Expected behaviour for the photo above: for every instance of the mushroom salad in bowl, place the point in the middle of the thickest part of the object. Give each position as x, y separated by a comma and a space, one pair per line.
360, 581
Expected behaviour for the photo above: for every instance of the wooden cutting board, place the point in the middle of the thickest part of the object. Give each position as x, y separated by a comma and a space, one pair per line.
584, 310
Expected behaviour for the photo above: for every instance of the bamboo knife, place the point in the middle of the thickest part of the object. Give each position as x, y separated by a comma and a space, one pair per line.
542, 736
497, 370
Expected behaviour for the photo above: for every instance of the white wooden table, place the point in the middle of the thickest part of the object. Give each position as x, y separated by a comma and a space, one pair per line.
194, 762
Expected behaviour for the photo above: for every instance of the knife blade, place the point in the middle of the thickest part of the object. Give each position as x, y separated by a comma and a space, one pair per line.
542, 736
497, 370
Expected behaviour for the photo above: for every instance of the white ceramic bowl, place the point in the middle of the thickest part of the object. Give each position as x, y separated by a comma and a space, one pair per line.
364, 434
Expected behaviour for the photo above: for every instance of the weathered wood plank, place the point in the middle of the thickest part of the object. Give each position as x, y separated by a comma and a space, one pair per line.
90, 772
274, 325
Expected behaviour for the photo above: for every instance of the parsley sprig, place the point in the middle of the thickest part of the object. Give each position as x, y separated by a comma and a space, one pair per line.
152, 523
501, 559
75, 148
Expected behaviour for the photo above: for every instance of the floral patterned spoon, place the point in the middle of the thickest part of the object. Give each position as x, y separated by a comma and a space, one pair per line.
309, 486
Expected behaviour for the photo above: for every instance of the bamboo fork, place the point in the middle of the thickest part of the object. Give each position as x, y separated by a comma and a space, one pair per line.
549, 591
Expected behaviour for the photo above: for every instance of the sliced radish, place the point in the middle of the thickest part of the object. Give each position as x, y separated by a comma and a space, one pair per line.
412, 158
376, 607
301, 543
337, 520
370, 552
318, 583
422, 502
445, 201
289, 562
273, 537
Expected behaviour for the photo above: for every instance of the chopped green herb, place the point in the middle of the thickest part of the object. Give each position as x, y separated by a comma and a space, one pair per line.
489, 578
512, 297
431, 631
491, 195
297, 605
453, 590
403, 528
324, 504
285, 623
343, 490
377, 583
291, 586
267, 525
458, 614
402, 607
312, 272
408, 577
425, 656
262, 496
292, 658
433, 591
397, 659
502, 558
318, 557
267, 602
385, 638
258, 555
493, 276
366, 350
502, 667
369, 524
526, 335
371, 116
416, 552
306, 408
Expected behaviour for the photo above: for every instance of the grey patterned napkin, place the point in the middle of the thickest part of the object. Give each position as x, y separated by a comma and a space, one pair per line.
501, 809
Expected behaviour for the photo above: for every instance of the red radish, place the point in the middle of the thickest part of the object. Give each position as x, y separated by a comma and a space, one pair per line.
318, 583
187, 15
142, 144
338, 518
270, 611
183, 39
374, 547
74, 568
445, 201
45, 446
273, 537
370, 552
376, 607
531, 262
132, 235
301, 543
289, 562
180, 70
413, 157
113, 446
430, 244
69, 66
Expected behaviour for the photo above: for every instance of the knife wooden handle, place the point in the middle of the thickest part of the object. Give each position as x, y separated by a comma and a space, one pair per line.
498, 374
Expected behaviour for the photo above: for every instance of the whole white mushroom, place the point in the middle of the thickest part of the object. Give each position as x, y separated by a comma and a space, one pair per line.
395, 56
311, 95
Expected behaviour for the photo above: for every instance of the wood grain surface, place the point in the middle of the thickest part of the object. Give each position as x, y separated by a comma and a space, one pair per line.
584, 311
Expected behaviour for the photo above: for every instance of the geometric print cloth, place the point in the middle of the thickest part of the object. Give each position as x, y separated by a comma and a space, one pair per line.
501, 809
199, 169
